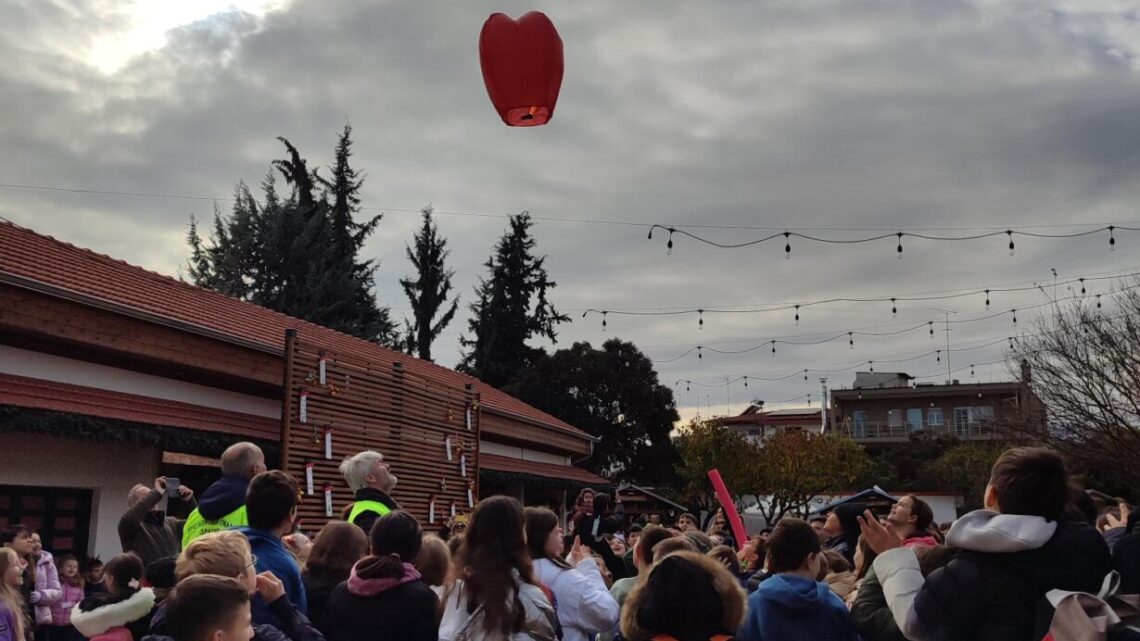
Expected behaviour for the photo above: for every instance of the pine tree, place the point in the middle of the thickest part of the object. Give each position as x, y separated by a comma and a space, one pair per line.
298, 255
429, 291
511, 307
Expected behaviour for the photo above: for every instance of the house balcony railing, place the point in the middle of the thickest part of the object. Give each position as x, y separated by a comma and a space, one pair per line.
887, 432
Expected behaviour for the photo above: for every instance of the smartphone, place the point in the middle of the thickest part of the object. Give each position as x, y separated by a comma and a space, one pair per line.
172, 485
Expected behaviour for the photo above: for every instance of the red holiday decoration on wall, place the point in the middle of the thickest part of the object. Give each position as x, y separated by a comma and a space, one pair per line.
522, 67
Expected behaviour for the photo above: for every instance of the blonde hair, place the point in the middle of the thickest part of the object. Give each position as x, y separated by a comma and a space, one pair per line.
433, 561
224, 553
10, 595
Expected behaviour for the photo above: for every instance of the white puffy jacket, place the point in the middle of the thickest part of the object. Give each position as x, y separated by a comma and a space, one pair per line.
584, 603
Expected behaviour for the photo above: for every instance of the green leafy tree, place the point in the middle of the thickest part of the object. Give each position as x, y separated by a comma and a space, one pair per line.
705, 445
298, 255
511, 307
612, 393
963, 469
428, 292
794, 466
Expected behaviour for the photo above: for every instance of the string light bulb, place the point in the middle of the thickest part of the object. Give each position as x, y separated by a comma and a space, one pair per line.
872, 364
669, 245
700, 319
805, 375
1014, 312
894, 306
700, 356
787, 246
1082, 281
1009, 232
745, 382
850, 340
1112, 238
987, 299
898, 250
971, 370
938, 358
931, 323
1098, 301
773, 347
604, 320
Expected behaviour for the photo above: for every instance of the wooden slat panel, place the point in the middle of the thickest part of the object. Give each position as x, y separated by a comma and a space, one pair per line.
381, 407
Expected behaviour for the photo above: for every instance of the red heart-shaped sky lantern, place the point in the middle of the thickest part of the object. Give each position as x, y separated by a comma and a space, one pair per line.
522, 67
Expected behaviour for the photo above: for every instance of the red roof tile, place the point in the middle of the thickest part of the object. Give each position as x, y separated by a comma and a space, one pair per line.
549, 470
62, 397
45, 260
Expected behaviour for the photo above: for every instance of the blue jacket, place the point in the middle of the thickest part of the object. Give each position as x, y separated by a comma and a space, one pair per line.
224, 496
792, 608
273, 556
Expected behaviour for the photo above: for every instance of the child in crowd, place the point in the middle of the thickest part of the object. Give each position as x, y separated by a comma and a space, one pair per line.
1009, 556
71, 586
209, 608
13, 625
123, 612
792, 605
93, 576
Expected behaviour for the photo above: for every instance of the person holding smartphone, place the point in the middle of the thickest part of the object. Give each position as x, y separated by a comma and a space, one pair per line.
145, 530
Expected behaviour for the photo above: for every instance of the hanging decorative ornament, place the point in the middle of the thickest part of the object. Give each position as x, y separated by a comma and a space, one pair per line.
431, 509
328, 500
463, 465
522, 67
323, 365
442, 484
303, 413
309, 465
328, 442
447, 447
470, 494
453, 509
467, 417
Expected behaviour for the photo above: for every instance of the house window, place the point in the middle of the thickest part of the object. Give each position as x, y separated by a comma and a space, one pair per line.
971, 420
860, 420
894, 418
914, 419
934, 417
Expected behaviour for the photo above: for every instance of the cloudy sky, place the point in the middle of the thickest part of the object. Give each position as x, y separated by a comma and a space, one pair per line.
834, 118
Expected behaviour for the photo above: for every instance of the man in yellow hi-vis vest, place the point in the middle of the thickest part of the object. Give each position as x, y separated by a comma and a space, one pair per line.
222, 505
371, 480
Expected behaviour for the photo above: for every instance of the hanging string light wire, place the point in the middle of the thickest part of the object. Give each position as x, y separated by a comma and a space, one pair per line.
987, 292
788, 235
849, 336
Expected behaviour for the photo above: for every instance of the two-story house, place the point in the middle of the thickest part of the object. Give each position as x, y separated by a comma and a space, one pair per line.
890, 407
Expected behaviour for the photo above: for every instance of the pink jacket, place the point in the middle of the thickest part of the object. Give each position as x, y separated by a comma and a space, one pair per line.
61, 612
47, 590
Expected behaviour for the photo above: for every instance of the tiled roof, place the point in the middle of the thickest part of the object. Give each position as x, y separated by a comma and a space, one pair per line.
33, 393
45, 260
549, 470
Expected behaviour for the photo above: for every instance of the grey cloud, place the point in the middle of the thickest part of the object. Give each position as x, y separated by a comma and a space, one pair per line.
810, 114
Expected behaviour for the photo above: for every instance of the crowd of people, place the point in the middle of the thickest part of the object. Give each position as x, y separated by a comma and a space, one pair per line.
236, 569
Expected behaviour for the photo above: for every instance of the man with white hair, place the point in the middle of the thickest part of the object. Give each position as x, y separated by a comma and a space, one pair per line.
146, 531
371, 480
222, 505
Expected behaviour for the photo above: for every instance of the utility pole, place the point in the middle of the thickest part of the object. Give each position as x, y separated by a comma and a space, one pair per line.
823, 406
947, 313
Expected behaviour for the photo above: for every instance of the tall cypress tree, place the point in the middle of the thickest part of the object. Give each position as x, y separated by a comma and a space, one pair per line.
511, 307
429, 291
299, 255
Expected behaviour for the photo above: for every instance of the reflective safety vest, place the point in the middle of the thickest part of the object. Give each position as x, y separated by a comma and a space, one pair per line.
360, 507
196, 525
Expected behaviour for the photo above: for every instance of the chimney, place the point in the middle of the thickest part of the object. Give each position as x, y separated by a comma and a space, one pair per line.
1026, 372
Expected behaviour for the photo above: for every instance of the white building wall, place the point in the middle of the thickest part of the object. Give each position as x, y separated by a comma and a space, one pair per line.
109, 470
